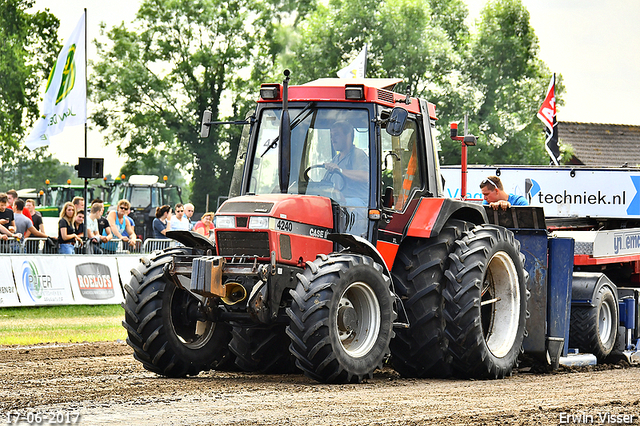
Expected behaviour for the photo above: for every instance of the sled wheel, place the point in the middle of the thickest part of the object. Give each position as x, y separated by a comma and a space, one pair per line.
593, 329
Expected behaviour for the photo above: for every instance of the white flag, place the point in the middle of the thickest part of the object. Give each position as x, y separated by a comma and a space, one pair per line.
357, 68
65, 99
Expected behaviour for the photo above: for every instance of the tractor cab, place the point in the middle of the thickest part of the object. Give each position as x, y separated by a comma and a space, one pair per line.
350, 143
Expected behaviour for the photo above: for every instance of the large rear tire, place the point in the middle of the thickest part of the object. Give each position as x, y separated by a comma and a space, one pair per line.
162, 324
341, 318
593, 329
263, 349
418, 276
486, 303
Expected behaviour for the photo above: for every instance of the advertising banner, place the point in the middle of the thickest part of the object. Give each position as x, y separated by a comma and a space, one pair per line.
561, 191
42, 280
94, 280
8, 292
125, 265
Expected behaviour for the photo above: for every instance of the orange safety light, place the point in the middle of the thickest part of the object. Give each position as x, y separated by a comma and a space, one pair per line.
47, 182
165, 178
68, 181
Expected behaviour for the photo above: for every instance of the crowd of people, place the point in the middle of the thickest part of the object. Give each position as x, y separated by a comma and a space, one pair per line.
96, 233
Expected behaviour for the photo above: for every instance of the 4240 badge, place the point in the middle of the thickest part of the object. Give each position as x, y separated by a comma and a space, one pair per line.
39, 418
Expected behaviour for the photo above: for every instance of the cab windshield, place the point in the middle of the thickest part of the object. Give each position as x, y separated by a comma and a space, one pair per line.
329, 158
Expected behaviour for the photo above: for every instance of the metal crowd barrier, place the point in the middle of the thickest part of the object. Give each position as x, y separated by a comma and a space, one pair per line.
34, 245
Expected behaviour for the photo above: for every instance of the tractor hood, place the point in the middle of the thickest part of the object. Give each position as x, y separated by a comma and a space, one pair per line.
307, 209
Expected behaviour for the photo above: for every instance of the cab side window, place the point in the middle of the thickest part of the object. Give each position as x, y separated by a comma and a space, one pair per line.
401, 165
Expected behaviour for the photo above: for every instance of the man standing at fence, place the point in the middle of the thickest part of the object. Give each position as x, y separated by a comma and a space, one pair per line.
188, 212
6, 214
24, 225
179, 221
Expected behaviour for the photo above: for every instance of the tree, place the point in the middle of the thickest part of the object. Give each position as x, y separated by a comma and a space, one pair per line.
152, 85
509, 81
493, 75
31, 169
28, 48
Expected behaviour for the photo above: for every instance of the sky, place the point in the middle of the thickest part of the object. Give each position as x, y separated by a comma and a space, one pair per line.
592, 44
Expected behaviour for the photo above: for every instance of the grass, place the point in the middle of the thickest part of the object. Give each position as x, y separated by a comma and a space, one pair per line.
61, 324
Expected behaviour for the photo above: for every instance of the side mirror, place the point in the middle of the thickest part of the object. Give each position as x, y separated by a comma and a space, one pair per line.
397, 121
206, 124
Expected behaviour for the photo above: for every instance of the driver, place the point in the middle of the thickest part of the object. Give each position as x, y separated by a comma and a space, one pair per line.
351, 162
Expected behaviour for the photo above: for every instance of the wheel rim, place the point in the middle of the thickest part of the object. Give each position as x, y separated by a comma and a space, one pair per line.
357, 319
604, 325
192, 333
500, 304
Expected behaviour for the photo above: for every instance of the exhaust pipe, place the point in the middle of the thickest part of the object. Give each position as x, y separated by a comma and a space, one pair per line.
234, 293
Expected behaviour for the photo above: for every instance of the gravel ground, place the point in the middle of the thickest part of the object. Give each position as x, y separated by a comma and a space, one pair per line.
101, 383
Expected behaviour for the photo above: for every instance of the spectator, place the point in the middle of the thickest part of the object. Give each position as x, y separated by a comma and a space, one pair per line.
67, 236
6, 214
24, 226
79, 223
12, 196
179, 221
78, 203
205, 226
94, 233
106, 235
188, 212
121, 227
36, 217
496, 197
160, 223
5, 234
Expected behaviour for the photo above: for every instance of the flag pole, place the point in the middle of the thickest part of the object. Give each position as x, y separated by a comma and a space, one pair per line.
366, 53
86, 83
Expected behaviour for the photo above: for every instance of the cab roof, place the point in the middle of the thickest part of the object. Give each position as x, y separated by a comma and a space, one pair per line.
376, 90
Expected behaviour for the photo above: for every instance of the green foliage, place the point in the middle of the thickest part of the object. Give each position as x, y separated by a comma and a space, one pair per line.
30, 170
28, 48
493, 74
152, 84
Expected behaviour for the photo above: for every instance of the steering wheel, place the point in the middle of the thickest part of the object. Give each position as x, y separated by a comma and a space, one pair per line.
327, 177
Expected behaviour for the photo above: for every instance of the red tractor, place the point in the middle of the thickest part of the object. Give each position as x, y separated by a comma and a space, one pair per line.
335, 252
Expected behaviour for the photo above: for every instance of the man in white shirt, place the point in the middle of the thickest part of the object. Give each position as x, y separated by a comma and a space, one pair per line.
179, 221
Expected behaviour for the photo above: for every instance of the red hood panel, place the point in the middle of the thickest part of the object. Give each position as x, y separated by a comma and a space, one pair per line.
308, 209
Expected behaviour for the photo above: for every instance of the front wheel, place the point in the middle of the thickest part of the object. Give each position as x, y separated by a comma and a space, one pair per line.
164, 327
486, 303
341, 318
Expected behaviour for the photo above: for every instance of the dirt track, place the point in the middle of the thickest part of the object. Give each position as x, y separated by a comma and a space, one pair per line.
105, 385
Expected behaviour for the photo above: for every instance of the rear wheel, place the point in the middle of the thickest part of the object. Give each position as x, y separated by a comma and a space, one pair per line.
165, 328
341, 318
262, 349
593, 329
486, 303
421, 350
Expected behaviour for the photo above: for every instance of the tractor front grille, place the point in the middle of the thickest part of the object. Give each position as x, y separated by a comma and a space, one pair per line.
235, 243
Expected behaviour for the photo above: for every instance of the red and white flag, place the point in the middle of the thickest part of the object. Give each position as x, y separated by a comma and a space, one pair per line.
547, 114
547, 111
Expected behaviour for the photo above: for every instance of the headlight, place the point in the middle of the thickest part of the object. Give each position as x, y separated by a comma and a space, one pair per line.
224, 222
258, 222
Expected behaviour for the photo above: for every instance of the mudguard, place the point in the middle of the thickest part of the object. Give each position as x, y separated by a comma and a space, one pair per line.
432, 213
587, 284
192, 239
357, 244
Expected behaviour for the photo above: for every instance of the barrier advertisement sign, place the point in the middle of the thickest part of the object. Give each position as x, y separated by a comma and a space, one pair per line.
561, 191
94, 280
40, 280
8, 292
